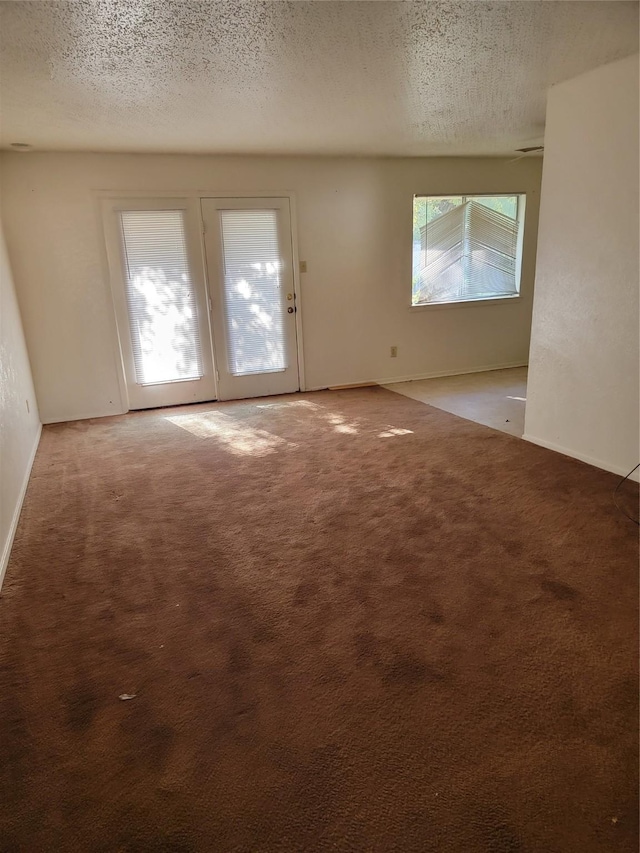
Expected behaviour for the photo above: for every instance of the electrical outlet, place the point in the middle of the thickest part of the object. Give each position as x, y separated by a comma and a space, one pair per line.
394, 352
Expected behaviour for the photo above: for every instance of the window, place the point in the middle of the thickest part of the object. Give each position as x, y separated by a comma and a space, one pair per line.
466, 248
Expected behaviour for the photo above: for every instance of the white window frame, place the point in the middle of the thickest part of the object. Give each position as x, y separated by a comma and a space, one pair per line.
490, 300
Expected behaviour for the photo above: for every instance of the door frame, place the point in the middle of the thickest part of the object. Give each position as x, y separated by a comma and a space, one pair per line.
104, 201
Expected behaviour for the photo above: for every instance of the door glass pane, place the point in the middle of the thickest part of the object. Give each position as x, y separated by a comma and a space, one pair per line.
160, 297
253, 302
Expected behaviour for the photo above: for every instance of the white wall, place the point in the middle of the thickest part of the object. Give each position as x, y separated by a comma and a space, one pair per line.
582, 396
354, 226
19, 425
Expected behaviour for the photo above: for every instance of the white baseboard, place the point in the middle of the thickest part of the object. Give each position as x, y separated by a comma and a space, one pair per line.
83, 416
583, 457
441, 373
6, 551
432, 375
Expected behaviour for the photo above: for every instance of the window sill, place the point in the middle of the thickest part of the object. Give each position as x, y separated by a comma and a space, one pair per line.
466, 303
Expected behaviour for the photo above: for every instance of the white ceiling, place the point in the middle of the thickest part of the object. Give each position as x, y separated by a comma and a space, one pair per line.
392, 78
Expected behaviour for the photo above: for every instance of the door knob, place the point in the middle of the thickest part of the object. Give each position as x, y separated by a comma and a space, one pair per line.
289, 310
289, 296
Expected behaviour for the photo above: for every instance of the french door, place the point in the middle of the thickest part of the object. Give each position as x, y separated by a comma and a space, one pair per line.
161, 303
250, 271
192, 332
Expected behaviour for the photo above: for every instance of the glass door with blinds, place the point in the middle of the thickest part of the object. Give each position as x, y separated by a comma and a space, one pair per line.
250, 271
161, 301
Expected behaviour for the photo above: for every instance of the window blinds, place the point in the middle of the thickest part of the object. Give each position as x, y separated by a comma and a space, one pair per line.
253, 299
160, 297
468, 253
442, 277
492, 241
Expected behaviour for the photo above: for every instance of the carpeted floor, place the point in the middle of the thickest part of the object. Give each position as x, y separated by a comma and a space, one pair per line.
350, 622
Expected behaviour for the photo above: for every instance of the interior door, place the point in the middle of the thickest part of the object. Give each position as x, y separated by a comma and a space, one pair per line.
250, 270
161, 302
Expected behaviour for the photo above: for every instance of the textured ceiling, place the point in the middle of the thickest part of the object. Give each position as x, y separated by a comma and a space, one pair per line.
396, 78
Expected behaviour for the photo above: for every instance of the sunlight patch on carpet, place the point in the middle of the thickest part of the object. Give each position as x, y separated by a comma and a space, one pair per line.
289, 404
238, 439
391, 431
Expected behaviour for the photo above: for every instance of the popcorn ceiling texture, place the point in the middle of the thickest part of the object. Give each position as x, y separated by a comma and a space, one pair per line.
414, 78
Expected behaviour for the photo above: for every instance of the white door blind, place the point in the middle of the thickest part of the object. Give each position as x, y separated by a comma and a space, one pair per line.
253, 299
468, 253
160, 297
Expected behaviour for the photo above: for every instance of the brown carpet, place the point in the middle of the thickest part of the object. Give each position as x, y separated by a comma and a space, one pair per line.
351, 622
